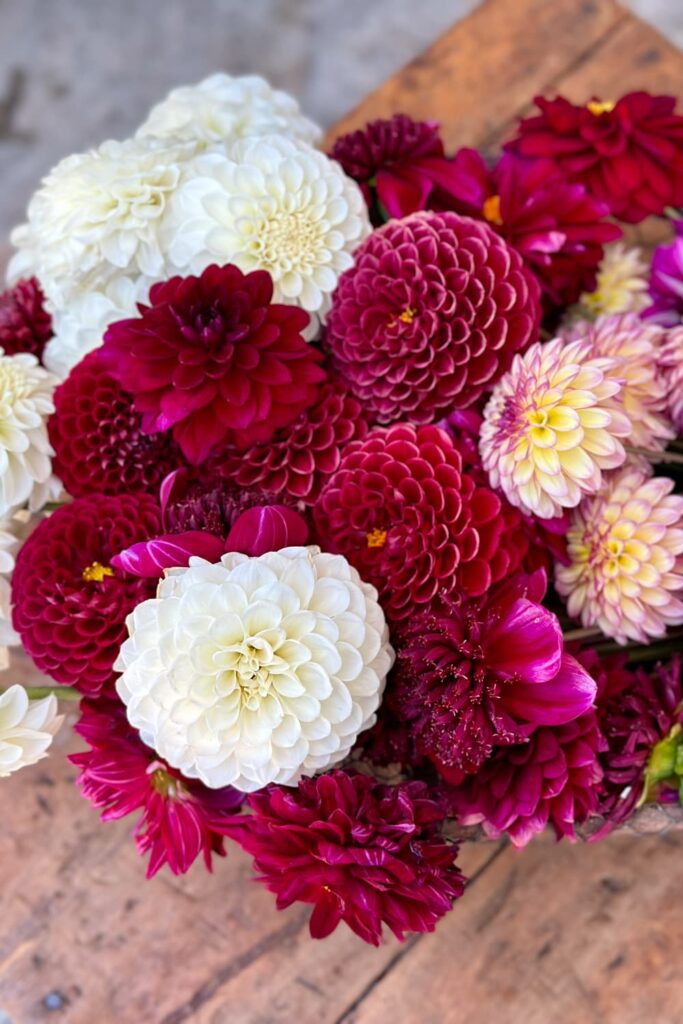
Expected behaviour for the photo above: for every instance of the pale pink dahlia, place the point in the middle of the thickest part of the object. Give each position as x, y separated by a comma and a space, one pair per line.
671, 364
625, 572
635, 345
551, 427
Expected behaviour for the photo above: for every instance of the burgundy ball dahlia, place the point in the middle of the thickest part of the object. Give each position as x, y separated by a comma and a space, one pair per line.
300, 459
360, 852
472, 675
399, 164
25, 324
402, 512
628, 154
430, 316
98, 440
554, 777
180, 818
69, 605
214, 360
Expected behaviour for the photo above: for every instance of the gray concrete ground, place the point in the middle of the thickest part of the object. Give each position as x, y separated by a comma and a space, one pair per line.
73, 72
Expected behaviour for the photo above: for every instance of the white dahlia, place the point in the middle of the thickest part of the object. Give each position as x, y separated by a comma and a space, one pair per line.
551, 426
26, 391
256, 670
222, 108
271, 204
27, 728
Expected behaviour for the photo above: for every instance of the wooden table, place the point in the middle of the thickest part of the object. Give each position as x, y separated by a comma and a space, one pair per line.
557, 935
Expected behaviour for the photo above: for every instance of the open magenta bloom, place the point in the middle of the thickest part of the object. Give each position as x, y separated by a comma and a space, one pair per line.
430, 316
410, 521
472, 675
398, 162
25, 324
213, 359
359, 851
666, 282
628, 154
180, 818
69, 604
98, 439
558, 228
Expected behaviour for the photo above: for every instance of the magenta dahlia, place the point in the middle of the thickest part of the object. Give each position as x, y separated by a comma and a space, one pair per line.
213, 359
399, 164
430, 316
208, 504
402, 512
300, 458
359, 851
628, 154
180, 817
69, 604
472, 675
98, 439
25, 324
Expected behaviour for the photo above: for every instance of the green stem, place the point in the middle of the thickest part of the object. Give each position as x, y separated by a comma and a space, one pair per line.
656, 457
61, 692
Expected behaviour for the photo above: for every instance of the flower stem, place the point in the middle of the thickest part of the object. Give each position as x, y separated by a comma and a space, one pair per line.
61, 692
656, 457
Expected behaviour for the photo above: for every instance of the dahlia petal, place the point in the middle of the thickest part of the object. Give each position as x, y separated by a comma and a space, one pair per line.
558, 700
266, 528
526, 643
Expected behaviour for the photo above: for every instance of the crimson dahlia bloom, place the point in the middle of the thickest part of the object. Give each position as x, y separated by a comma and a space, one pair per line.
180, 817
359, 851
213, 359
629, 154
472, 675
69, 605
98, 439
25, 324
398, 163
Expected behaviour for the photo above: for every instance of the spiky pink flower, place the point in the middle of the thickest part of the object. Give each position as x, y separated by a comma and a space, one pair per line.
671, 365
551, 427
625, 571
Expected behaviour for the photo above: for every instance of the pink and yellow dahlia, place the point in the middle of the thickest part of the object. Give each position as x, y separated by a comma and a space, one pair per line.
671, 365
625, 544
551, 426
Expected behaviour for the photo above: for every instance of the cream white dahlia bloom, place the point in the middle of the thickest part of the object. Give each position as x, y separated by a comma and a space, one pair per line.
26, 391
625, 548
621, 283
223, 108
271, 204
256, 670
27, 728
551, 427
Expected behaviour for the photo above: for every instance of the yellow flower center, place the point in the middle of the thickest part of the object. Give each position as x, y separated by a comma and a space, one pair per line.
405, 317
377, 538
164, 783
491, 210
598, 107
95, 573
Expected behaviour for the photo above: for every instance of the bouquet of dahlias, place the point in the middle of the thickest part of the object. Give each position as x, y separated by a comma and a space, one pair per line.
340, 488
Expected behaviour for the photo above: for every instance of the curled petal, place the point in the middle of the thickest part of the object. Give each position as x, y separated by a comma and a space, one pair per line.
268, 528
526, 643
149, 558
557, 701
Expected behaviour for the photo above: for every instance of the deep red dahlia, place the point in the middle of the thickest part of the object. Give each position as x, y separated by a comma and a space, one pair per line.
430, 316
554, 777
558, 228
402, 512
69, 605
214, 360
360, 852
180, 817
300, 459
398, 162
25, 324
629, 154
472, 675
98, 440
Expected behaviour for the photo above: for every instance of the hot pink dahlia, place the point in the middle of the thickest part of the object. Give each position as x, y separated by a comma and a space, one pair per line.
180, 817
402, 512
98, 439
214, 360
360, 852
430, 316
558, 228
554, 777
671, 368
69, 605
25, 324
300, 458
399, 164
628, 153
472, 675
